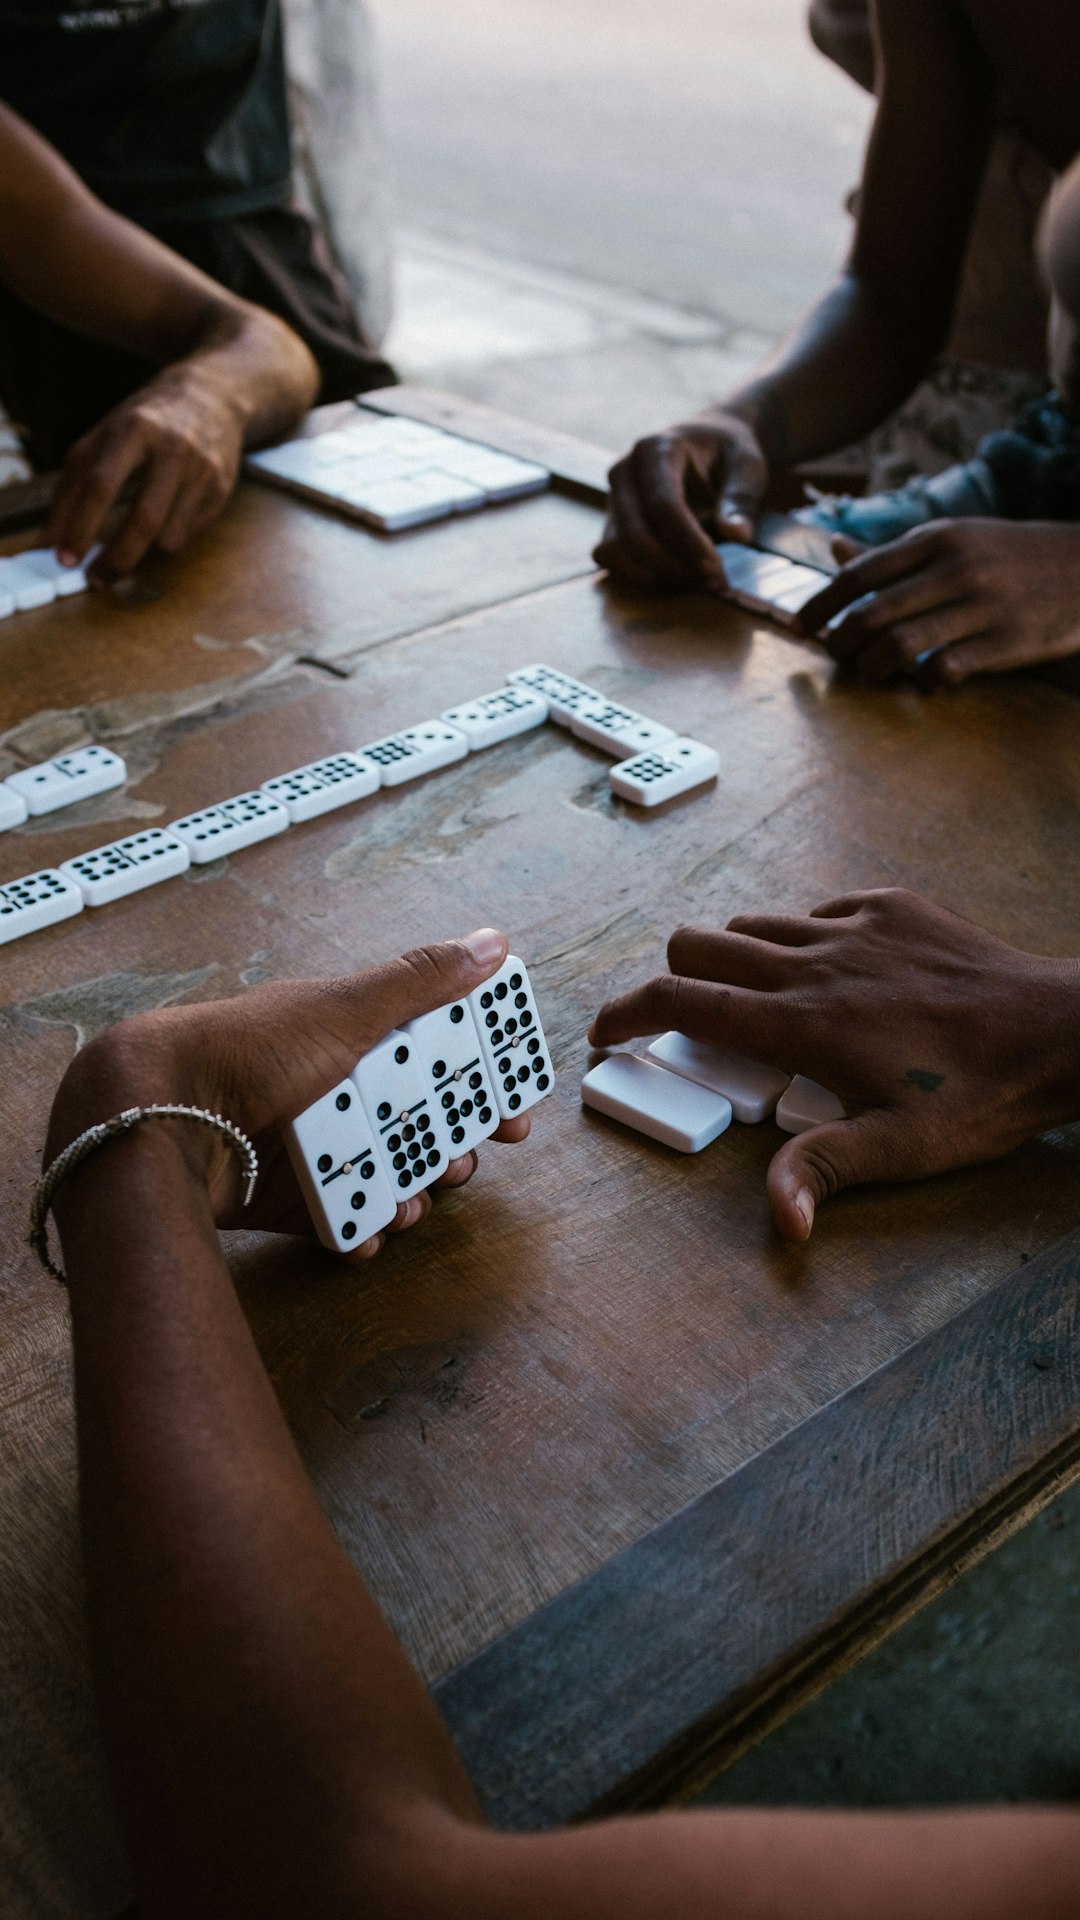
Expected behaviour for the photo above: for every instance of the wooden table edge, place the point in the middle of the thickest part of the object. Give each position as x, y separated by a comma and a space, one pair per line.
642, 1682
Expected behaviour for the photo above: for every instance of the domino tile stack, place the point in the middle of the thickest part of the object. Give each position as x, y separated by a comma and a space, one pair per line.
424, 1096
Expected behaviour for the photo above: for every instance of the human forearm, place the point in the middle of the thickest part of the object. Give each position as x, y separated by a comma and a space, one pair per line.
258, 1710
840, 371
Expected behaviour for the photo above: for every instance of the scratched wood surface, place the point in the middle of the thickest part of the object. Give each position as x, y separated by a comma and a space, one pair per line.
597, 1331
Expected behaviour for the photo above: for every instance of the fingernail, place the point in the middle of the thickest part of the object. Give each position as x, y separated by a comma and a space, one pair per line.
67, 558
804, 1201
486, 946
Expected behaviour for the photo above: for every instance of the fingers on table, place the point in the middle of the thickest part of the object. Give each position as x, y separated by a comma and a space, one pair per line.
877, 1145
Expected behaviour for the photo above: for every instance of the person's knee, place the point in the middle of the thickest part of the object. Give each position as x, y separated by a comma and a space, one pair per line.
840, 29
1059, 254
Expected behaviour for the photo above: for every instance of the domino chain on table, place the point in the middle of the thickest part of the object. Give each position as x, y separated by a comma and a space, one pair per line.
654, 765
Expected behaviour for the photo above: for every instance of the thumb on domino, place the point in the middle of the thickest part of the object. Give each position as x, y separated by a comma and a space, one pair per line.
844, 1153
740, 497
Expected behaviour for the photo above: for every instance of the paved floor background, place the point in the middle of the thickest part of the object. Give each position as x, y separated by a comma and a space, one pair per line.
609, 210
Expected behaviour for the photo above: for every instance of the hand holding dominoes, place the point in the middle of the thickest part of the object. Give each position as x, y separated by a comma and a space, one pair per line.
359, 1094
941, 1046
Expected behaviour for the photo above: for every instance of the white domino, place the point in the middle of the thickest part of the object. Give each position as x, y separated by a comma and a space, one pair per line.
766, 582
394, 505
564, 695
26, 584
500, 475
337, 781
397, 1101
502, 715
676, 1112
806, 1105
242, 821
675, 767
38, 900
340, 1171
618, 730
517, 1053
415, 751
13, 808
463, 1106
70, 777
127, 866
753, 1089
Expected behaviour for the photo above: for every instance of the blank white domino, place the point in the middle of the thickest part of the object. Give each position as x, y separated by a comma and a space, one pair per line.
393, 505
242, 821
500, 475
753, 1089
415, 751
463, 1106
665, 772
27, 585
501, 715
13, 808
676, 1112
807, 1105
70, 777
127, 866
564, 695
339, 1170
397, 1100
516, 1050
38, 900
337, 781
617, 730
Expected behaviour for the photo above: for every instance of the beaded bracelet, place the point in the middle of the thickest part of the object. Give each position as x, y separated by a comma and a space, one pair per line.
95, 1137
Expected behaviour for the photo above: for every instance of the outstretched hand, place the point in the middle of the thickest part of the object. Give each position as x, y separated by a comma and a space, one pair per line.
946, 1046
263, 1058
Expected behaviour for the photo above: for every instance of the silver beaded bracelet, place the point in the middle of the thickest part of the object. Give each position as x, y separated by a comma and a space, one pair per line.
95, 1137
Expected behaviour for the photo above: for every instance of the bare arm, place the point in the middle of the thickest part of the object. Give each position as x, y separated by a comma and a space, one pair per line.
272, 1751
862, 348
233, 375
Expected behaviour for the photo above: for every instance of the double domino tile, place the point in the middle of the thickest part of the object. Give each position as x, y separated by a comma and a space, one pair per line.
424, 1096
661, 766
685, 1093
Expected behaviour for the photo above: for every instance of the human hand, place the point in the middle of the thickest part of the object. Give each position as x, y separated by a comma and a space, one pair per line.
263, 1058
179, 441
946, 1047
976, 596
674, 495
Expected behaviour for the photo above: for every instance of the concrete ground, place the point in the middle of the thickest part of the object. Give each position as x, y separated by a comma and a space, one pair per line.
607, 212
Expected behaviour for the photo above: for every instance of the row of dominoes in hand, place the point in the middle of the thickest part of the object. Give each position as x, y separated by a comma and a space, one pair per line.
35, 578
425, 1095
398, 473
686, 1093
767, 583
661, 765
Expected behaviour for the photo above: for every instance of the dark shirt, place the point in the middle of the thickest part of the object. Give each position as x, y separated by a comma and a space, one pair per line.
168, 109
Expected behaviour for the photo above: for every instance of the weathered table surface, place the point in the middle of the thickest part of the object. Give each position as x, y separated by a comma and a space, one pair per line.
629, 1476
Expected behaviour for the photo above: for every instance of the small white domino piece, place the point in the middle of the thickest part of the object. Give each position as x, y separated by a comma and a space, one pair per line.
806, 1105
397, 1101
339, 1171
508, 1022
127, 866
500, 475
753, 1089
13, 808
38, 900
674, 1111
675, 767
502, 715
564, 695
618, 730
337, 781
394, 505
242, 821
70, 777
27, 585
415, 751
463, 1106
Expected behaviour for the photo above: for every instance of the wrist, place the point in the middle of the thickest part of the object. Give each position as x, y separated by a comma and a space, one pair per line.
128, 1066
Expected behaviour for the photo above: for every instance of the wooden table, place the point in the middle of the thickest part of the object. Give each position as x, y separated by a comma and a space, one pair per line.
630, 1477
